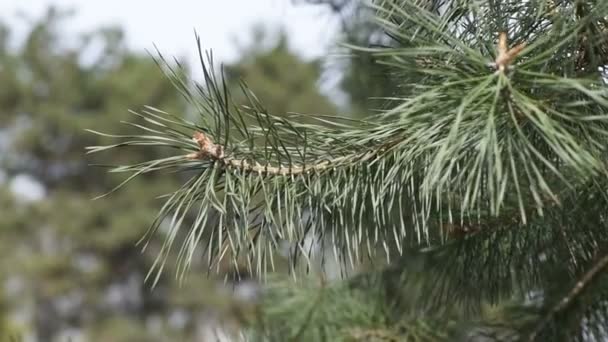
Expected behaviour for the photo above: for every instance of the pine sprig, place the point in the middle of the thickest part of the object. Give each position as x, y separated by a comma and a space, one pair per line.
276, 180
490, 133
482, 127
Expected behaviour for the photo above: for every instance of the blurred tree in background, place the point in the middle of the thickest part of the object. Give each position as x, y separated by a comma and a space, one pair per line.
365, 81
264, 68
70, 266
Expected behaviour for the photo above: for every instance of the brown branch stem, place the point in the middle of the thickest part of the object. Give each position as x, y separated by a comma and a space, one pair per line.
576, 291
506, 56
207, 149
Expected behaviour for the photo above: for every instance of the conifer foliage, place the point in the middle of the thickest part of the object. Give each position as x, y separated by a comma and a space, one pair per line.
483, 182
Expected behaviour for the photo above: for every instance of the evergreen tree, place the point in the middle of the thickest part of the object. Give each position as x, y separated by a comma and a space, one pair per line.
364, 80
262, 67
483, 183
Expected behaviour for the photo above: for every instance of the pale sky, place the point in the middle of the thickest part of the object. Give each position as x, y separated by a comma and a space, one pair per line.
170, 24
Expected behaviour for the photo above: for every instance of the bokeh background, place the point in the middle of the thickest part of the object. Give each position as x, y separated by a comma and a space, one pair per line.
70, 268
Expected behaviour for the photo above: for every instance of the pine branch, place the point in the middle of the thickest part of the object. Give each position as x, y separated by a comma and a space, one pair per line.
584, 281
489, 260
461, 142
216, 152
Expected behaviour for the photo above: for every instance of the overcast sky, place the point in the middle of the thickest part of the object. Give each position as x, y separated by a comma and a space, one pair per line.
170, 23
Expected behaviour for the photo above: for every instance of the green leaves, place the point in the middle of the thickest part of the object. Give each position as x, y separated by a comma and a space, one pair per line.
462, 141
274, 175
488, 135
497, 165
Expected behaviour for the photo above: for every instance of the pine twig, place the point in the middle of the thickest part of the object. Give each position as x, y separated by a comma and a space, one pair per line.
208, 149
576, 291
506, 56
